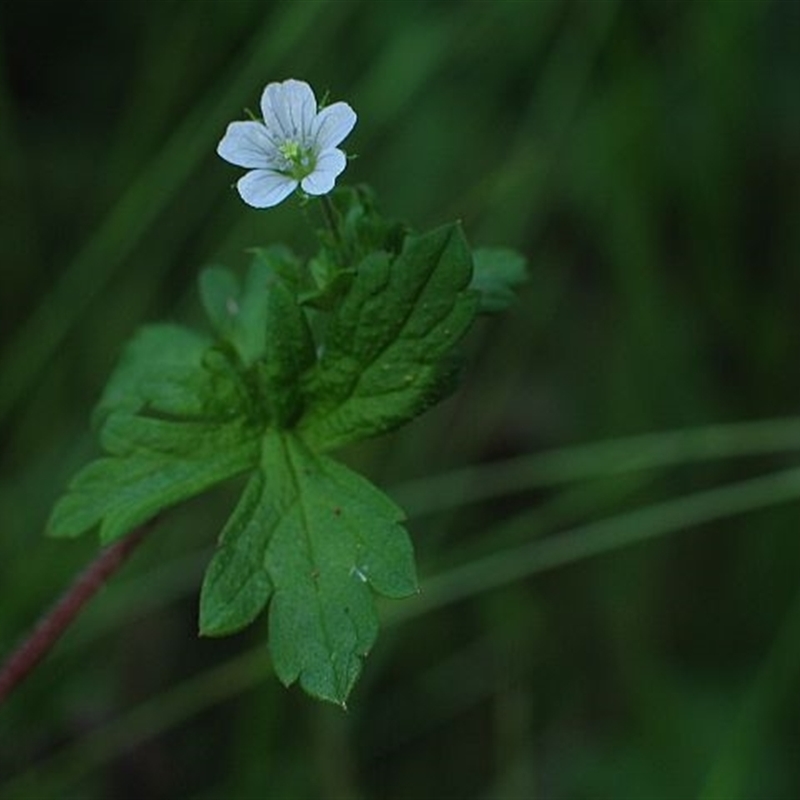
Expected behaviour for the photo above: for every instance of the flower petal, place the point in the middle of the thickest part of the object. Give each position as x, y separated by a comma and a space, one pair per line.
247, 144
289, 109
330, 165
332, 125
264, 188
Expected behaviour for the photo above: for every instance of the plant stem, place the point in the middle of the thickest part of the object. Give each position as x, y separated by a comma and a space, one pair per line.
51, 627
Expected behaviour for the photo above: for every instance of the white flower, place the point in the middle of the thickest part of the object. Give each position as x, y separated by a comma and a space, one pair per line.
295, 145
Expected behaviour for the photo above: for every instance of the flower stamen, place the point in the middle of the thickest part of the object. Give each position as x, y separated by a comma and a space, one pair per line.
300, 161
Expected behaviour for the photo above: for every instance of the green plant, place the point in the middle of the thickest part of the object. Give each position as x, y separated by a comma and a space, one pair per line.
302, 358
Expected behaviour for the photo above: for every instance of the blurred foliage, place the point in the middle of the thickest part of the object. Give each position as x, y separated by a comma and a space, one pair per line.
646, 158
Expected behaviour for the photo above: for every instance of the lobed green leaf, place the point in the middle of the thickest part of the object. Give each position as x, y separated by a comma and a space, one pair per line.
288, 353
165, 370
236, 586
387, 351
240, 314
154, 464
319, 540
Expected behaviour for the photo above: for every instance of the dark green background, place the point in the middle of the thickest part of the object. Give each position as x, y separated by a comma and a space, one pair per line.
645, 156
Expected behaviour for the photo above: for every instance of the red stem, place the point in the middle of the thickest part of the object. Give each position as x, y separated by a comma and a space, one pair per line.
50, 627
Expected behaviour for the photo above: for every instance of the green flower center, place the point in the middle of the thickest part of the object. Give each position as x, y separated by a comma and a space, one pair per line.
300, 160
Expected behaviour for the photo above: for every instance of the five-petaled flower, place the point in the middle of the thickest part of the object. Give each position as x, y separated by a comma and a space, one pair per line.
295, 145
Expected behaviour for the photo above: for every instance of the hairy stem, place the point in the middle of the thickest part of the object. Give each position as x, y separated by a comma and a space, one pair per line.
50, 627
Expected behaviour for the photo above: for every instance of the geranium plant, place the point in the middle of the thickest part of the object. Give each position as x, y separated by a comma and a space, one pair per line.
301, 357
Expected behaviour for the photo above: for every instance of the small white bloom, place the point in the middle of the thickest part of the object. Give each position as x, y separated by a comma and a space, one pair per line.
295, 145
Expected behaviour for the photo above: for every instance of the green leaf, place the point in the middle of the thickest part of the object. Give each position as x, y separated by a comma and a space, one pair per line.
319, 540
268, 332
387, 351
220, 293
240, 315
236, 585
288, 353
498, 271
165, 370
362, 229
154, 464
174, 421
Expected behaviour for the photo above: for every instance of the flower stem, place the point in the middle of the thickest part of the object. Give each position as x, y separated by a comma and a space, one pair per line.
51, 627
